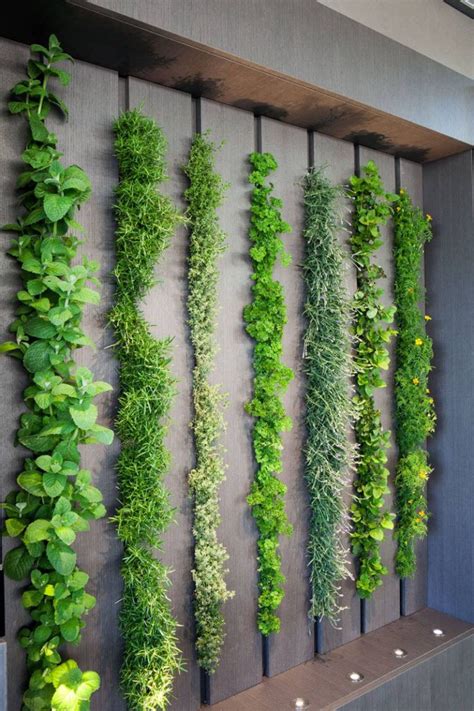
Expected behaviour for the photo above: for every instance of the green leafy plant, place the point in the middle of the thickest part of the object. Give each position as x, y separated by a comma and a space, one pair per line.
206, 243
265, 318
415, 415
55, 499
146, 220
328, 407
371, 209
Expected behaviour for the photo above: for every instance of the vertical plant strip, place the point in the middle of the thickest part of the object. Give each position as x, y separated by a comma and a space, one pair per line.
206, 242
265, 318
55, 498
328, 407
146, 221
371, 209
415, 415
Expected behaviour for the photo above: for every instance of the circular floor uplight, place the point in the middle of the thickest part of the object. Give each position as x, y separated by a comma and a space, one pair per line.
300, 704
399, 653
355, 677
438, 632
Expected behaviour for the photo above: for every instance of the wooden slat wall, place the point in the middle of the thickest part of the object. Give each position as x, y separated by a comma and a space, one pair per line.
241, 662
414, 590
295, 642
384, 606
165, 308
338, 156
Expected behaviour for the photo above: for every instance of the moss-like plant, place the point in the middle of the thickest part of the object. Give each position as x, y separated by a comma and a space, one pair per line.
206, 243
328, 407
415, 415
371, 209
55, 499
146, 220
265, 318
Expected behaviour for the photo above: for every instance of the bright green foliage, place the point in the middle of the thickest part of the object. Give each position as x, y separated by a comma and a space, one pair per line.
206, 243
55, 499
415, 413
372, 209
265, 318
328, 407
146, 220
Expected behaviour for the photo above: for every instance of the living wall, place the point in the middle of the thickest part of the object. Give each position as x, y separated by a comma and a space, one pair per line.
265, 318
146, 220
55, 498
327, 368
372, 207
415, 415
206, 242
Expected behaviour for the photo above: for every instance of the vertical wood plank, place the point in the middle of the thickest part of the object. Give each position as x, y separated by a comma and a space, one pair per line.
165, 309
384, 606
295, 642
414, 590
241, 659
13, 378
338, 156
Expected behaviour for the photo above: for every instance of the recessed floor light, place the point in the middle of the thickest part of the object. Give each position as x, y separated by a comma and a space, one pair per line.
399, 653
355, 677
438, 632
300, 704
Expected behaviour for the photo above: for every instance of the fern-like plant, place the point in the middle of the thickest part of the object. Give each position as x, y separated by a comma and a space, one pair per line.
206, 242
371, 209
55, 498
146, 220
328, 408
415, 415
265, 318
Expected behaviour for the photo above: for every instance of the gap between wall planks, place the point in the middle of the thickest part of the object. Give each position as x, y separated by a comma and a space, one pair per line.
413, 594
338, 157
384, 606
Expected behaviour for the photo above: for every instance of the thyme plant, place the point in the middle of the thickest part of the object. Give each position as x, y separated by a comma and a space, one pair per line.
146, 220
55, 498
265, 318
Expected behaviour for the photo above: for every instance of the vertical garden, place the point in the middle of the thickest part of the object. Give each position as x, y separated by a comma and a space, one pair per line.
343, 363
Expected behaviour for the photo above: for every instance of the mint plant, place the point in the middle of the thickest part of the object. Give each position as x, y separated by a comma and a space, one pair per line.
55, 498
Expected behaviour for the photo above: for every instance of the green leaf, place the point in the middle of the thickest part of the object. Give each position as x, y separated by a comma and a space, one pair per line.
18, 563
70, 629
61, 557
31, 482
376, 534
14, 526
31, 598
38, 129
54, 483
40, 328
84, 419
86, 295
37, 357
8, 346
56, 206
66, 534
39, 530
101, 434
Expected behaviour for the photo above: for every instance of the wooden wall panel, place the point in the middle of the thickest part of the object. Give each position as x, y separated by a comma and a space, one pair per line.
295, 642
384, 606
165, 308
414, 590
338, 156
241, 659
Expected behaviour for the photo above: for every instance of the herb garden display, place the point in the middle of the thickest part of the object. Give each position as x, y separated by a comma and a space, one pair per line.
55, 498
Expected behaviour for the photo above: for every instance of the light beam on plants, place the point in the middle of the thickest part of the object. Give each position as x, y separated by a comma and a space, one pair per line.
415, 415
146, 220
206, 243
328, 408
371, 209
265, 318
55, 498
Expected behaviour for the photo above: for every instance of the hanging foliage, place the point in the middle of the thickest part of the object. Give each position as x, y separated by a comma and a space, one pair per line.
415, 415
207, 242
146, 220
55, 498
328, 408
371, 209
265, 318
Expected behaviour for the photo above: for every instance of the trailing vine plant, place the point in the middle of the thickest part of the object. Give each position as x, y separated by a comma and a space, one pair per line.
55, 498
206, 243
328, 407
146, 220
415, 415
372, 207
265, 318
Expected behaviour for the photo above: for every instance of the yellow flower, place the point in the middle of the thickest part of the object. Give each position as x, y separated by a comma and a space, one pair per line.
410, 290
419, 342
421, 514
398, 209
428, 217
415, 381
427, 391
402, 192
427, 318
423, 475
